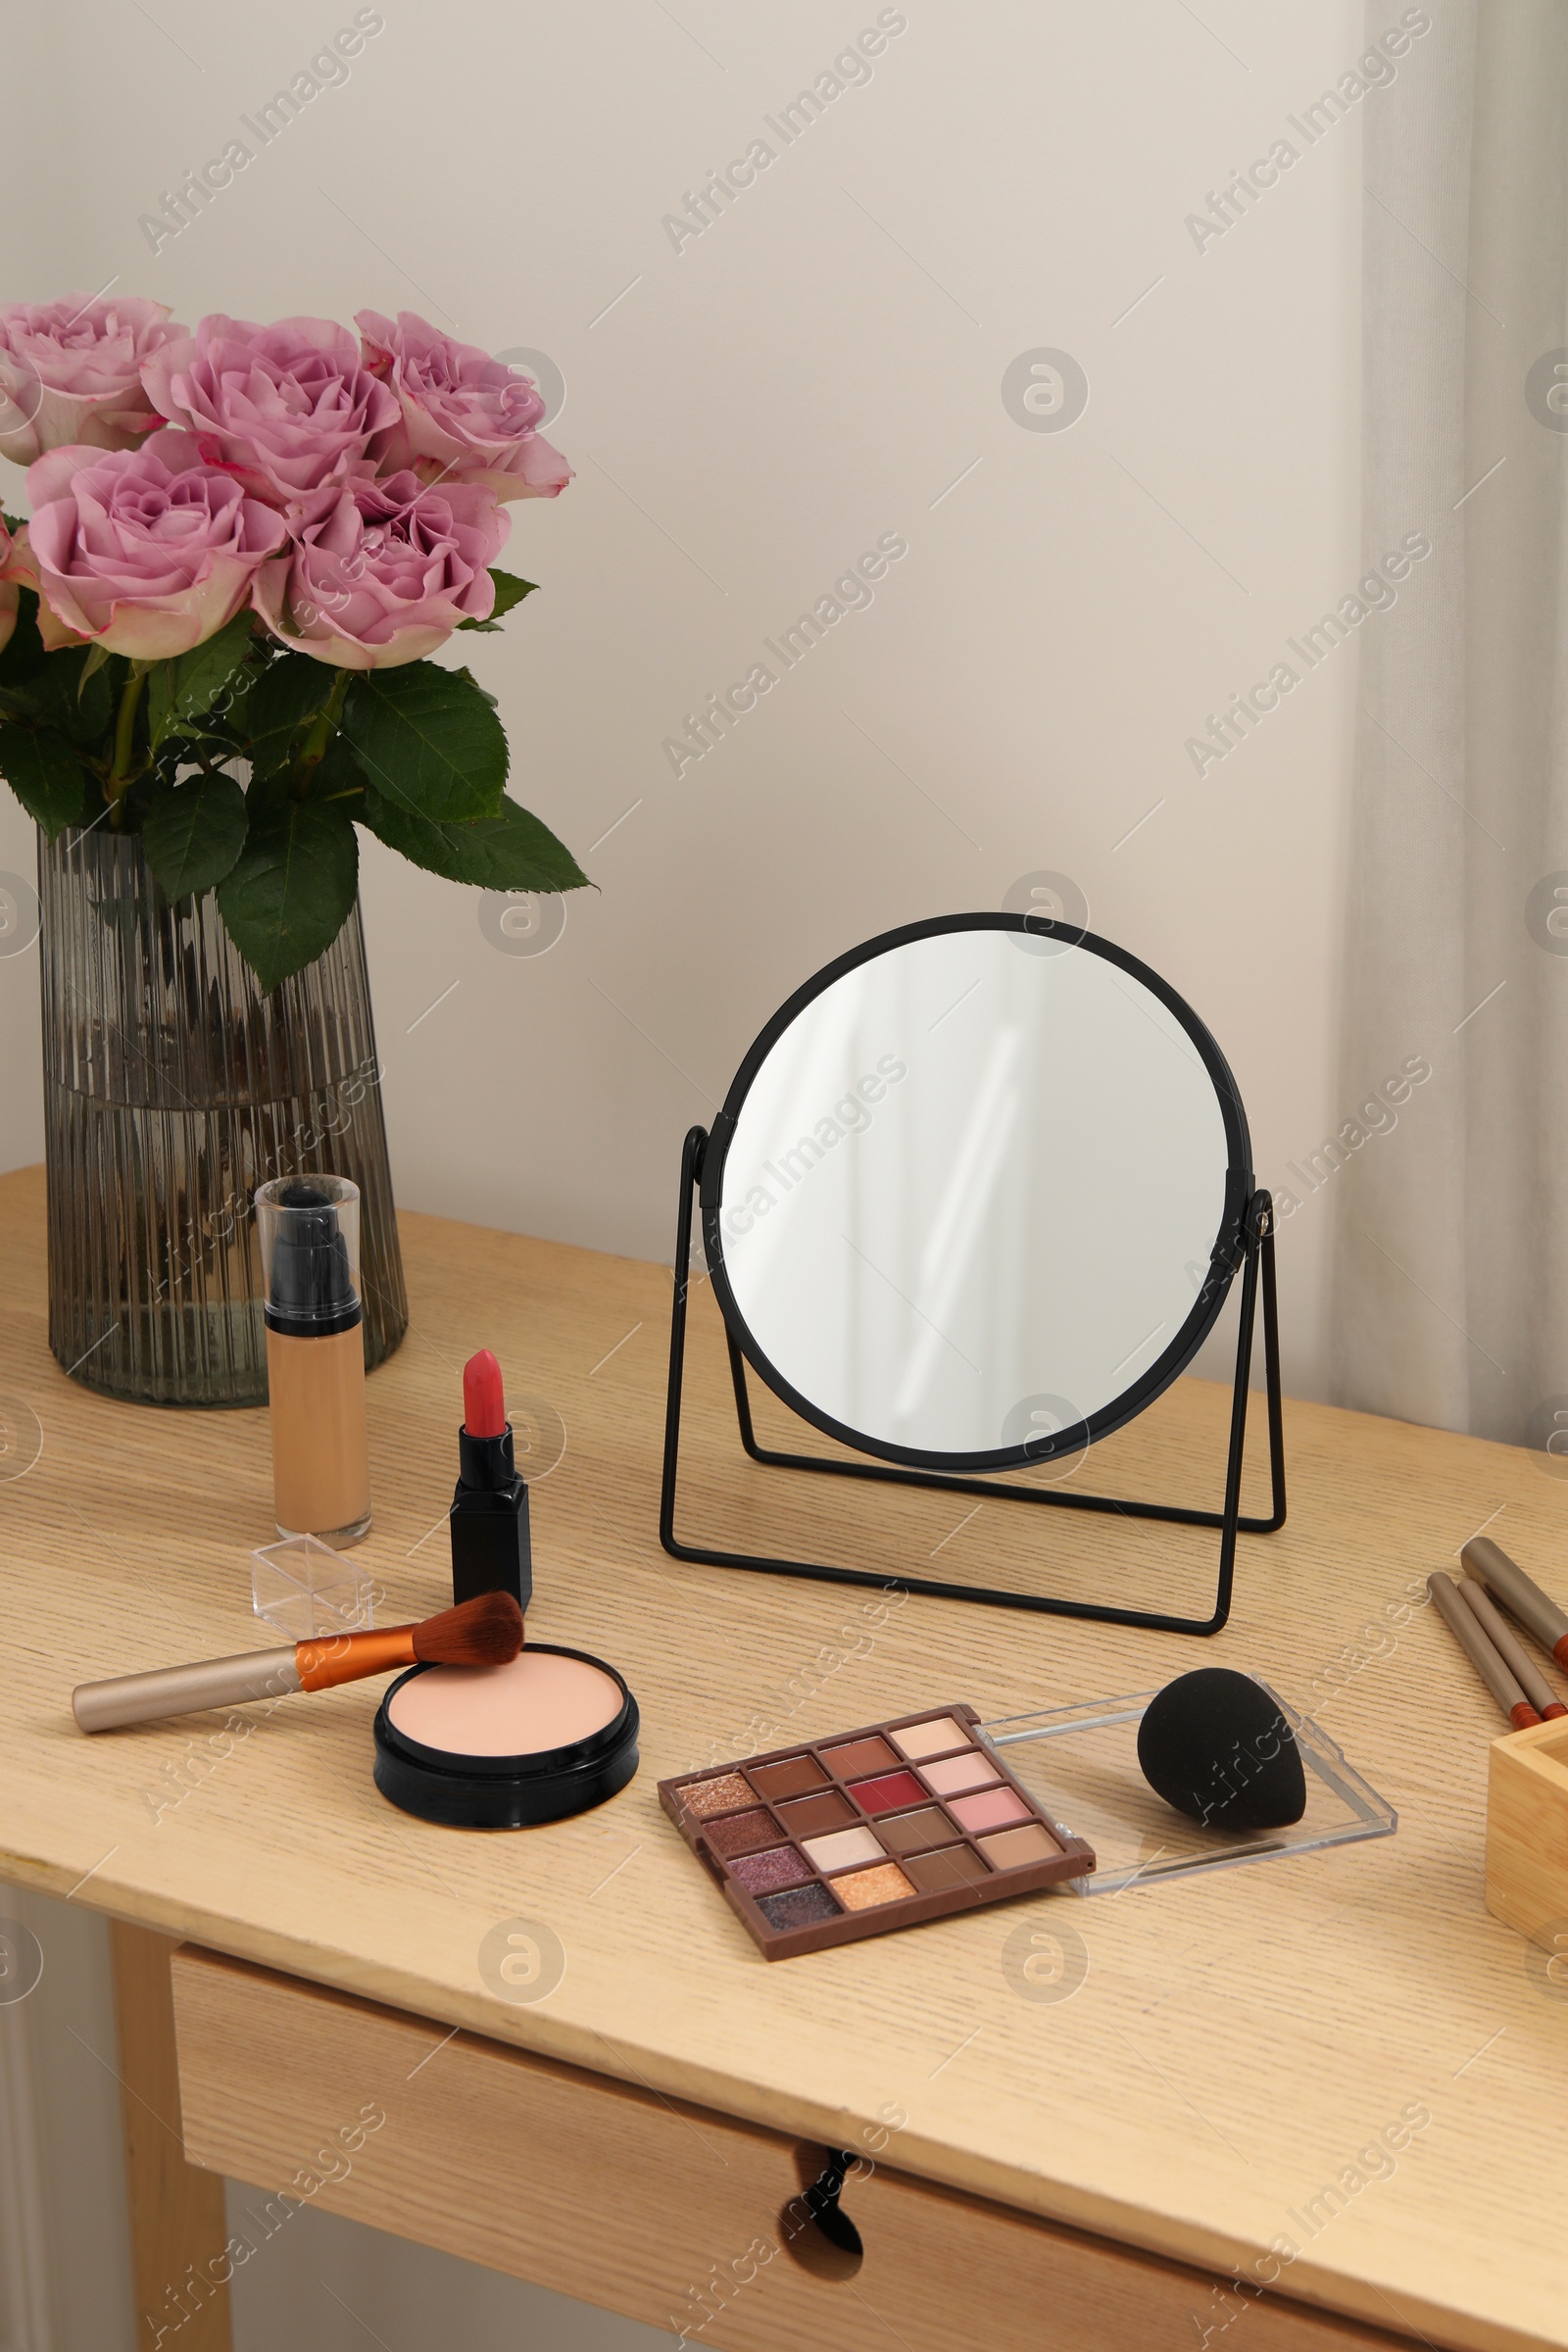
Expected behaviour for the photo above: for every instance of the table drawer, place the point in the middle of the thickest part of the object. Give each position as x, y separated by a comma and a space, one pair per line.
670, 2214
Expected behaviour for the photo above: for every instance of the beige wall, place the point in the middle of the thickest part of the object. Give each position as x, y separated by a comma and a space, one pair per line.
814, 370
820, 366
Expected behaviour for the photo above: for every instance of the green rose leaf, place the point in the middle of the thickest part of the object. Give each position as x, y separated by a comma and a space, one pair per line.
71, 693
281, 706
198, 678
510, 591
511, 851
46, 775
290, 892
194, 833
428, 739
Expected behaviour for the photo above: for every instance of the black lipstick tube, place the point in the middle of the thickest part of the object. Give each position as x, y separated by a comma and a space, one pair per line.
491, 1550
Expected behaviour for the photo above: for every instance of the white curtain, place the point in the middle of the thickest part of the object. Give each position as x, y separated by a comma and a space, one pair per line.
1451, 1242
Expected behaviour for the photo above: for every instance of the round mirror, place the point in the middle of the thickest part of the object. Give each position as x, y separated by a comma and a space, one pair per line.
977, 1193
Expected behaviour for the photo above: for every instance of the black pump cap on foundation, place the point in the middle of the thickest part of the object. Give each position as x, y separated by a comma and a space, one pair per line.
311, 1294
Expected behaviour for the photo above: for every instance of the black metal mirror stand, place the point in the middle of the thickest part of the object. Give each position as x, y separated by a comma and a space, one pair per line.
1258, 1258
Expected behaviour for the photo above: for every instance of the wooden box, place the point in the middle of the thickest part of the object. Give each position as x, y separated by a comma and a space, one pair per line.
1527, 1833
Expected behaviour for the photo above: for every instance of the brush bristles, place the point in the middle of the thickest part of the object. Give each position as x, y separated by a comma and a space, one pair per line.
483, 1631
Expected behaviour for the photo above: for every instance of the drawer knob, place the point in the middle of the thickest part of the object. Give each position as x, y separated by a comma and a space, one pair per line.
817, 2230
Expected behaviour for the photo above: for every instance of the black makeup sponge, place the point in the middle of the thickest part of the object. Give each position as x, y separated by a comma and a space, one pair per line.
1215, 1746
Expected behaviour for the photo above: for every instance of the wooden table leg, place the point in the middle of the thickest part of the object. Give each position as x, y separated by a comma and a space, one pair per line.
177, 2226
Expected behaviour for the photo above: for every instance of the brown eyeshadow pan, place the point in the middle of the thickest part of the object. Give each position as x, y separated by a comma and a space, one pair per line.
881, 1827
951, 1866
811, 1816
910, 1832
857, 1757
1009, 1848
791, 1777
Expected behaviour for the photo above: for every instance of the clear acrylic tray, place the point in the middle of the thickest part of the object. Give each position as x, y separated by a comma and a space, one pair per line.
1080, 1765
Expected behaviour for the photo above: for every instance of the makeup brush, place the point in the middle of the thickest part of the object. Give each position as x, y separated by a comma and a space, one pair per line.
1519, 1595
1485, 1659
1529, 1677
484, 1632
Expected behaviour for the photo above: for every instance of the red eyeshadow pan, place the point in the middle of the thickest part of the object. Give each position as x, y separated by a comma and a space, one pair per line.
882, 1795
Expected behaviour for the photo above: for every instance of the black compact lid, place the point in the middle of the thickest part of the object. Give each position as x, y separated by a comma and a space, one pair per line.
507, 1792
311, 1294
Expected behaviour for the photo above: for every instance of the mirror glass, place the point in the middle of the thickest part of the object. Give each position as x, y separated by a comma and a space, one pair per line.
971, 1191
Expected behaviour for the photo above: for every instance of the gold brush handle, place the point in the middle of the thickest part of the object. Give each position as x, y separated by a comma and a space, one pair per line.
184, 1690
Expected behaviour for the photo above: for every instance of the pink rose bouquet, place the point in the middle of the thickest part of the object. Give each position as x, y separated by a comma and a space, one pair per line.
245, 544
71, 372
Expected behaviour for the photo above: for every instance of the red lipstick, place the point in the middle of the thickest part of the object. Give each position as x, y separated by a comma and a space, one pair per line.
491, 1550
483, 1413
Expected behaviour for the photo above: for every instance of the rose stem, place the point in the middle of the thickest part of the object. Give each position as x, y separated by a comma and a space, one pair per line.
119, 782
314, 748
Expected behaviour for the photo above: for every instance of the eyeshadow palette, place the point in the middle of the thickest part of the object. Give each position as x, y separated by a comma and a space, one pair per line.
868, 1830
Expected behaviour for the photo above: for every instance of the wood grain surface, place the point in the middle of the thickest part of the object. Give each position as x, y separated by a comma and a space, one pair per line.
674, 2215
178, 2227
1244, 2045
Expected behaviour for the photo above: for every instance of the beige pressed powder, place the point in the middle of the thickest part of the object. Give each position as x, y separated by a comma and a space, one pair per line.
496, 1747
542, 1700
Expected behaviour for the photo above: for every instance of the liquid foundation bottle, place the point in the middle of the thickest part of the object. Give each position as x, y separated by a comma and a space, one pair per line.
309, 1228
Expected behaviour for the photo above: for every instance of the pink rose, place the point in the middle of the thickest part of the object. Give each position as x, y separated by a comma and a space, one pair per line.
145, 551
466, 418
288, 408
384, 571
71, 372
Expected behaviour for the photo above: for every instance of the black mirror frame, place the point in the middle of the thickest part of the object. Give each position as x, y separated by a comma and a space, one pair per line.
1226, 1252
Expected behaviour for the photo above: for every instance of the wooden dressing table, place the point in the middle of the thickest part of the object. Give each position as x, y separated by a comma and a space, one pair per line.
1090, 2172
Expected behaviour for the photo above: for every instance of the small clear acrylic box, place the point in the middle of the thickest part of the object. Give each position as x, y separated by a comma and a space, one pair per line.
307, 1590
1080, 1765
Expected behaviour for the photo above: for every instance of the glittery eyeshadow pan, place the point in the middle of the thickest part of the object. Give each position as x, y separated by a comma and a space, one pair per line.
763, 1873
863, 1889
723, 1795
741, 1832
800, 1907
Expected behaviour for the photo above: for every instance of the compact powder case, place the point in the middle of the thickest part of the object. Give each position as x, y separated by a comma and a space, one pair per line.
869, 1829
503, 1747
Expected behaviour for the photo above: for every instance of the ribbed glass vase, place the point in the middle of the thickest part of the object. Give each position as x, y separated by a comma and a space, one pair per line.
172, 1088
